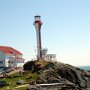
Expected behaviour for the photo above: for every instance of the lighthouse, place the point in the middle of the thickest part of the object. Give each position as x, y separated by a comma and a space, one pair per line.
38, 24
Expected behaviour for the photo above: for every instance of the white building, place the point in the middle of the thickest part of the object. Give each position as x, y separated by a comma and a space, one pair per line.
10, 57
49, 57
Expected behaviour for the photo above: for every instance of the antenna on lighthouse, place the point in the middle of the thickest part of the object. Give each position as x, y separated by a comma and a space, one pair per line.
38, 24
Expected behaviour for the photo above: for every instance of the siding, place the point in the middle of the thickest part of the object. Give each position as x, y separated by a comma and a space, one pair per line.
2, 59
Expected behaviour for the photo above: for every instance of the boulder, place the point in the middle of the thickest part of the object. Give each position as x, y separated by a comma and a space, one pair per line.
20, 82
73, 75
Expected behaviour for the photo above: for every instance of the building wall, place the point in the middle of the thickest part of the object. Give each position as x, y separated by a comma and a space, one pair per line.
12, 62
7, 60
20, 56
16, 63
19, 63
2, 59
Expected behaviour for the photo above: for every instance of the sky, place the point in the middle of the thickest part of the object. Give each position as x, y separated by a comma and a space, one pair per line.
65, 30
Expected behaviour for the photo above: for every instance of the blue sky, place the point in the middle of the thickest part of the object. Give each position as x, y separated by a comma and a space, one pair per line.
65, 29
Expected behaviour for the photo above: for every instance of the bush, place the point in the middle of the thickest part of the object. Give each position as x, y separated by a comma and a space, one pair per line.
2, 83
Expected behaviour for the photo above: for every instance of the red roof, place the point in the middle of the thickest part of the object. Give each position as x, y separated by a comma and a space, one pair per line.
9, 50
17, 58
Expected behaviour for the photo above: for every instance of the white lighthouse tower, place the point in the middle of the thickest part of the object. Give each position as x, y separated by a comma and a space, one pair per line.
38, 24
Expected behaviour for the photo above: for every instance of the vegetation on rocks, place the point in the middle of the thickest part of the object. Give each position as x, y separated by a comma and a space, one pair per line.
47, 72
56, 72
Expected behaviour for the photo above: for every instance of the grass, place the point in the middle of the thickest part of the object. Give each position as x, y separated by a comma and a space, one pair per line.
15, 77
42, 63
11, 88
27, 77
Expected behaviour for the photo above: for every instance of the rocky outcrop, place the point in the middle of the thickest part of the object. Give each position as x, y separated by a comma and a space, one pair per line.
56, 72
58, 87
34, 87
